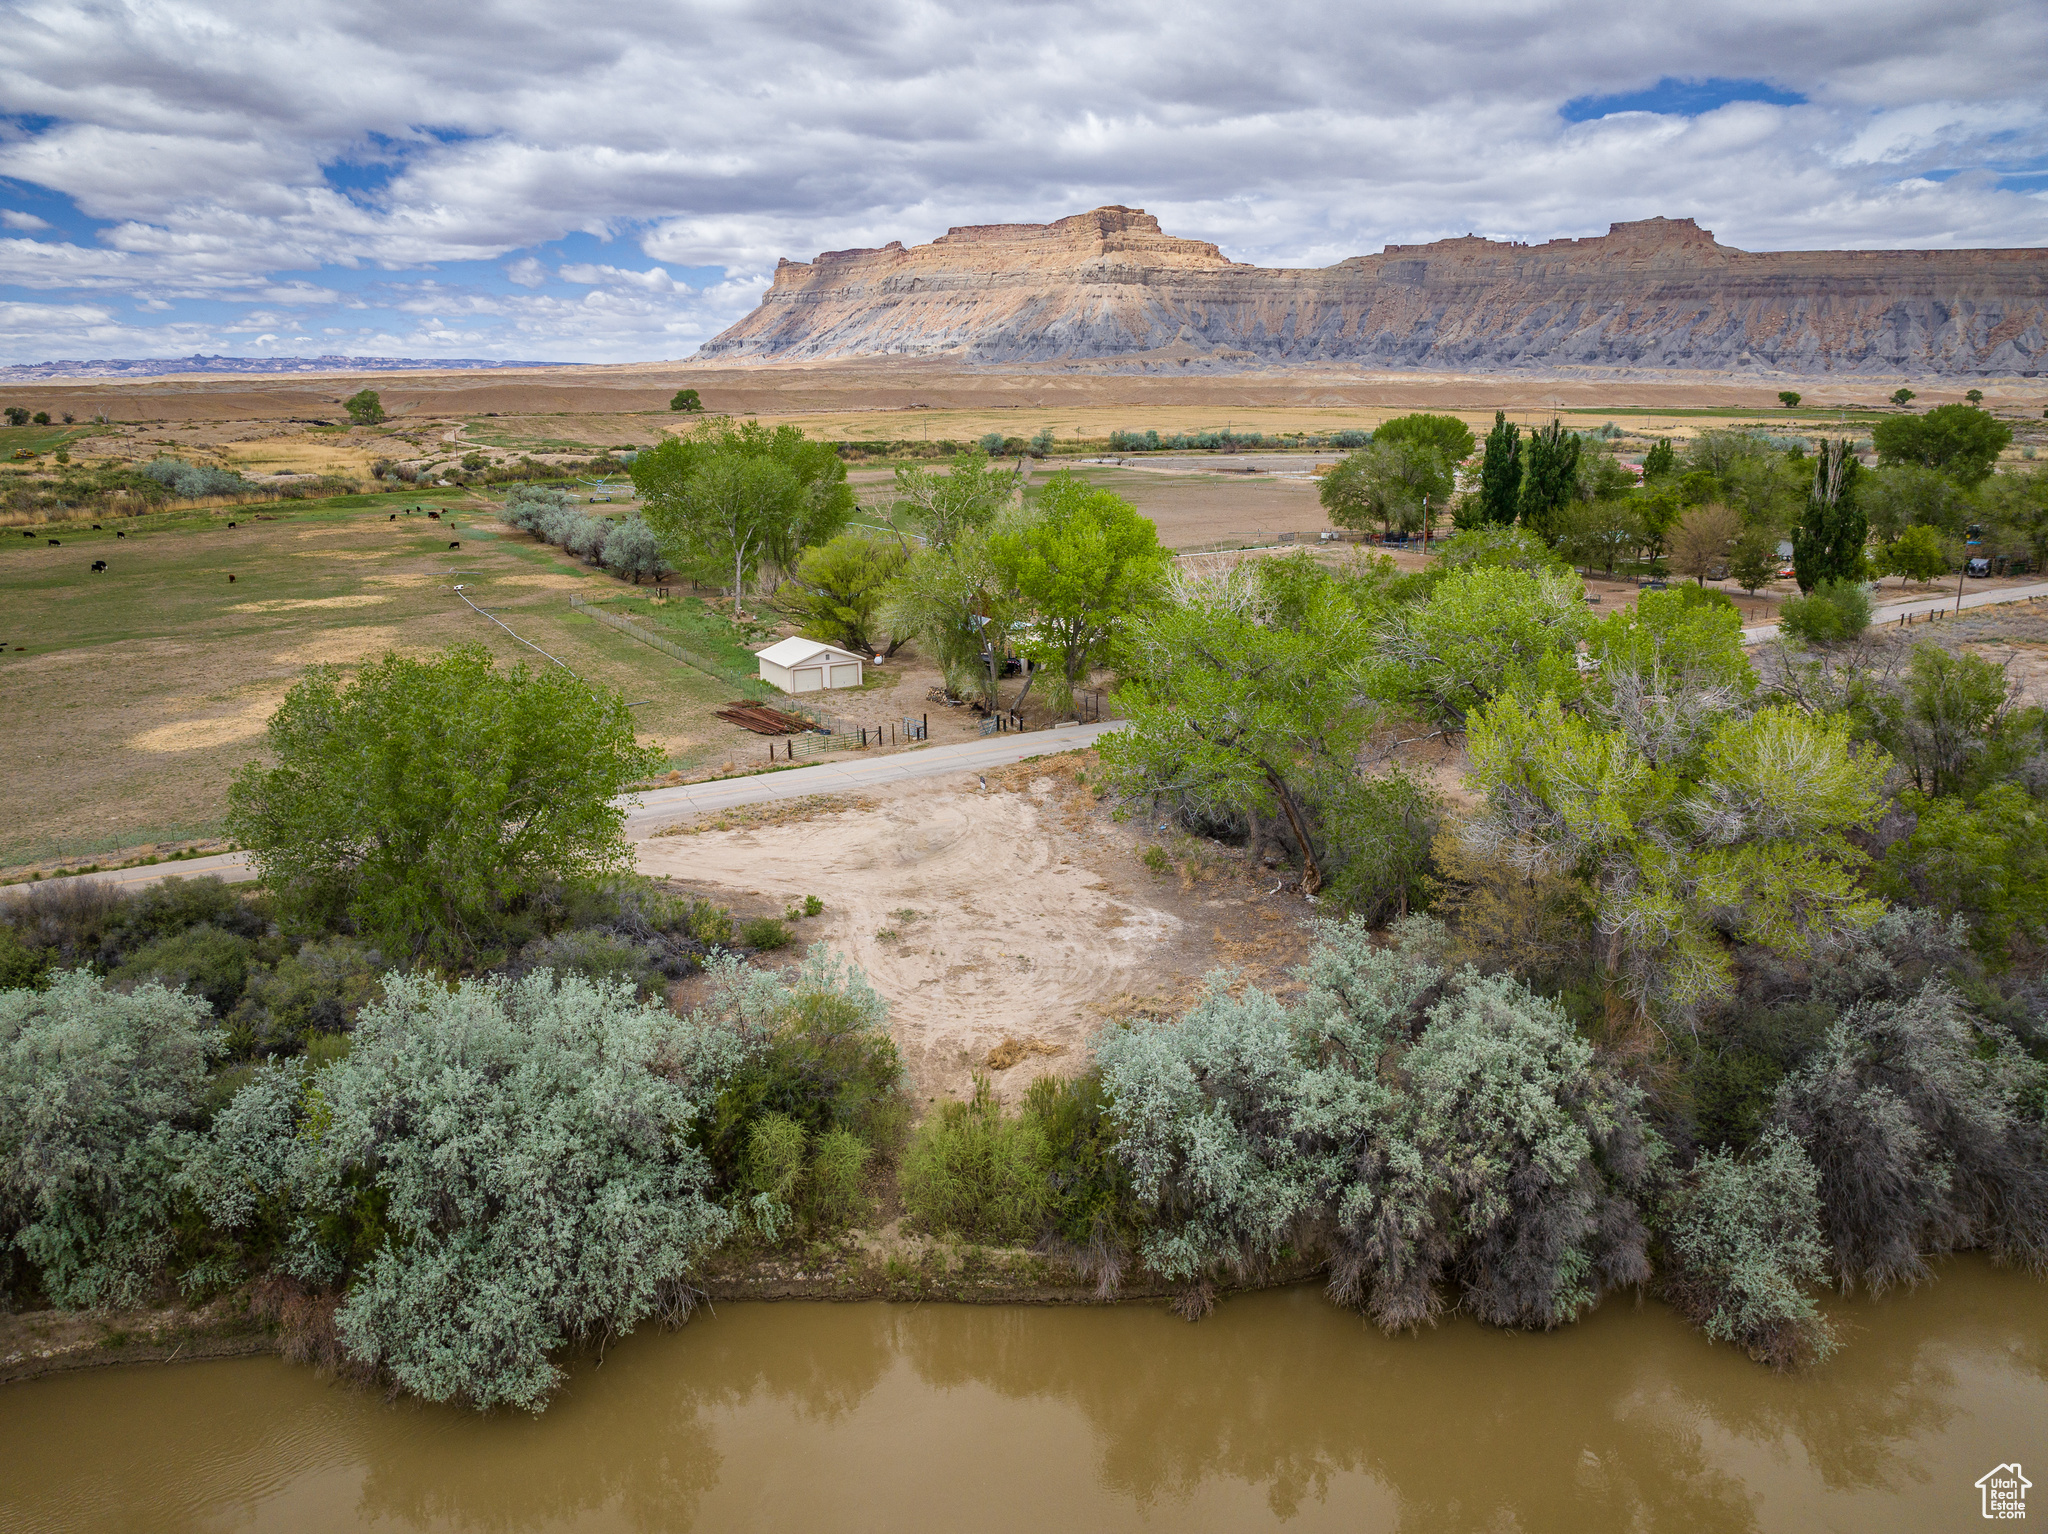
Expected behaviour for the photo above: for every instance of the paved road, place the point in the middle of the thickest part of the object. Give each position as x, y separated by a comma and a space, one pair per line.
649, 811
1922, 605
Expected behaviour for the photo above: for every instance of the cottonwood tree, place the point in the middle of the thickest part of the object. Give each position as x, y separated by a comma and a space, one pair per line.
963, 606
1239, 703
1484, 630
364, 407
1960, 440
1085, 566
426, 801
1827, 545
1918, 554
1451, 437
736, 497
968, 496
1701, 541
1390, 484
840, 588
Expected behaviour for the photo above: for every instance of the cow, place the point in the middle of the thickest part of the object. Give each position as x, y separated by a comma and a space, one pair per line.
231, 580
95, 527
99, 566
456, 544
231, 524
435, 515
55, 544
119, 534
394, 516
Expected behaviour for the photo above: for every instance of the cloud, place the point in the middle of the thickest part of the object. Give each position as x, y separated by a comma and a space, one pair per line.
608, 185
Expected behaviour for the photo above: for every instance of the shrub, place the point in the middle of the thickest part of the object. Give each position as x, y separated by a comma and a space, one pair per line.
834, 1195
607, 958
1926, 1127
1381, 830
204, 960
973, 1170
319, 990
98, 1092
23, 968
991, 443
1089, 1212
1745, 1238
773, 1166
819, 1053
766, 934
631, 550
1833, 611
504, 1167
192, 481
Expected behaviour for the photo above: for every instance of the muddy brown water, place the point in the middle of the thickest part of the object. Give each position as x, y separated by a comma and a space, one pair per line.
1278, 1411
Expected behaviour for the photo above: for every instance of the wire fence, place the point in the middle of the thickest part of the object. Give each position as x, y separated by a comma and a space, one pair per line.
731, 675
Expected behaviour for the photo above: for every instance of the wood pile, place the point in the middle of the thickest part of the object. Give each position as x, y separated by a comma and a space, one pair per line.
764, 721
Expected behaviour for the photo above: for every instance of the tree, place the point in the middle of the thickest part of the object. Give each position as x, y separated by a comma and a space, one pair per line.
961, 605
686, 400
1754, 564
1483, 631
99, 1092
1830, 613
1960, 440
1085, 567
969, 495
1896, 497
1500, 472
1659, 461
428, 802
364, 407
17, 415
632, 550
1550, 478
2016, 506
1388, 483
1239, 706
1901, 396
1827, 545
1451, 437
839, 589
1919, 553
1789, 398
739, 496
1974, 396
1701, 541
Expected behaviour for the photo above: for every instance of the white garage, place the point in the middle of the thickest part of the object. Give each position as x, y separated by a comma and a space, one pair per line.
805, 665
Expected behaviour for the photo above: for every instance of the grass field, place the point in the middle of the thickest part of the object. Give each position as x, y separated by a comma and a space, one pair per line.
128, 699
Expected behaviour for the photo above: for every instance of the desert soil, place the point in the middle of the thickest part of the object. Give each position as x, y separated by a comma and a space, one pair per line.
1005, 925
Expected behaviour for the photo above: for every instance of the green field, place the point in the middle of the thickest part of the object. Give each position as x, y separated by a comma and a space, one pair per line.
128, 699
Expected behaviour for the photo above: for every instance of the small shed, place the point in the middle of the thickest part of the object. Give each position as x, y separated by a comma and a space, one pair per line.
806, 665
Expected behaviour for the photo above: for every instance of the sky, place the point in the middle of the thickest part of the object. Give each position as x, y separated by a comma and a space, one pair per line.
550, 181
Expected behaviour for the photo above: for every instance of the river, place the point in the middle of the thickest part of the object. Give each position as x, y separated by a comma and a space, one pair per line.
1277, 1411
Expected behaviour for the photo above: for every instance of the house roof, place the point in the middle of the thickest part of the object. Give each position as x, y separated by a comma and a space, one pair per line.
790, 652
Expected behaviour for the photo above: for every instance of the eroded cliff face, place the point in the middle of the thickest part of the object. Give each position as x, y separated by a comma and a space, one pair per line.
1659, 293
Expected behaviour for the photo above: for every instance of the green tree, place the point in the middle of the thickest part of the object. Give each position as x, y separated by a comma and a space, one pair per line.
1389, 484
839, 589
1898, 496
1235, 705
1901, 396
364, 407
1960, 440
1754, 563
1827, 545
1085, 567
1974, 396
431, 802
1500, 472
1483, 631
969, 495
963, 608
1550, 478
1659, 461
735, 497
1789, 398
1984, 859
2016, 506
1918, 554
1702, 541
1451, 437
687, 400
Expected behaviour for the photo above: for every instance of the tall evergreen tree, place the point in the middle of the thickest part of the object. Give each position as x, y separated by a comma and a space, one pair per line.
1500, 473
1550, 479
1827, 545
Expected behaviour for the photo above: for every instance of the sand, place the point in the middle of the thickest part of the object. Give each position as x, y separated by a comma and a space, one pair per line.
1017, 915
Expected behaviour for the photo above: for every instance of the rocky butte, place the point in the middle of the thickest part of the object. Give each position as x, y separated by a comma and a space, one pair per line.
1656, 293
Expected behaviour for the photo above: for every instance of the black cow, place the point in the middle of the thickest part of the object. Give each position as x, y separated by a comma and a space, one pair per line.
231, 580
394, 516
55, 544
120, 535
99, 565
95, 527
231, 524
456, 545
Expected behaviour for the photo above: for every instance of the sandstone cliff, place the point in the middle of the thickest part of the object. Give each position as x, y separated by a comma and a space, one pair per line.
1659, 293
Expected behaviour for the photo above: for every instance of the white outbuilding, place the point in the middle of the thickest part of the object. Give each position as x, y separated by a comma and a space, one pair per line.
805, 665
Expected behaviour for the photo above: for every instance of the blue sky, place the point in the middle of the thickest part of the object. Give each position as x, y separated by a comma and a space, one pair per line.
523, 180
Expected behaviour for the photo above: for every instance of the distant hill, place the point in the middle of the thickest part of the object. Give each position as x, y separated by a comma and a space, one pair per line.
1658, 293
158, 367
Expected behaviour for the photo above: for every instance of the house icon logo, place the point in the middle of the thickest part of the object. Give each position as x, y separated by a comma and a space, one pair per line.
2005, 1493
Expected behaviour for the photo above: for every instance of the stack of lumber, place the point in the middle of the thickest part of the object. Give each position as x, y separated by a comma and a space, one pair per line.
764, 721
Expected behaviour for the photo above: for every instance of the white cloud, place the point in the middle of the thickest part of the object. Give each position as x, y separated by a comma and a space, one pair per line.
722, 135
15, 219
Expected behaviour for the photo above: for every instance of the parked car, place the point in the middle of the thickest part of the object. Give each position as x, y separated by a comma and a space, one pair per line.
1978, 567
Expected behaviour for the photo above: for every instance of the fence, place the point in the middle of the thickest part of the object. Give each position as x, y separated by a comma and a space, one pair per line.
796, 748
730, 675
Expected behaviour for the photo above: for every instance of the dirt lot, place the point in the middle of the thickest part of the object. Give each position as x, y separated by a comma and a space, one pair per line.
1020, 914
